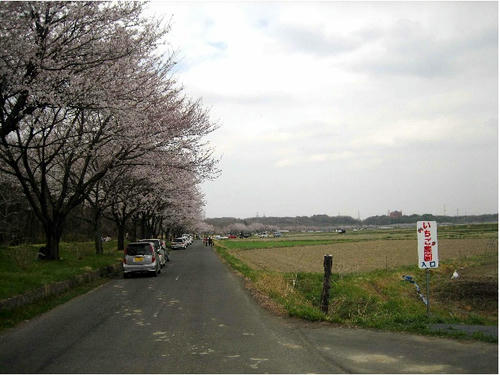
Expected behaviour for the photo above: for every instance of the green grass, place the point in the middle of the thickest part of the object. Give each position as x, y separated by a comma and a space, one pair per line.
266, 244
20, 271
382, 299
469, 231
269, 244
237, 264
324, 238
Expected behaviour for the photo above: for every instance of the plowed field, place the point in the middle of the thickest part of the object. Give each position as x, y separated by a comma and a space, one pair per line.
358, 256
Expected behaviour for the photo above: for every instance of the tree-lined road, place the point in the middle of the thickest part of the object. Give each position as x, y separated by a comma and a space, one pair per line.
196, 317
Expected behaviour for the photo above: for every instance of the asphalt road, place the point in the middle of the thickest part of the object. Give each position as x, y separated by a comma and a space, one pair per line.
196, 317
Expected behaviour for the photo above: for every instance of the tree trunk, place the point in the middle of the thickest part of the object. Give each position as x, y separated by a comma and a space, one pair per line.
97, 219
53, 233
121, 236
133, 234
98, 237
143, 228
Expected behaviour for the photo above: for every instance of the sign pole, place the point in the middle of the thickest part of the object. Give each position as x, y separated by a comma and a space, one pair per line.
428, 256
428, 273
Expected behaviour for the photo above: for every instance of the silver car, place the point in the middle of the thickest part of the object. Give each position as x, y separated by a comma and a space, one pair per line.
178, 243
140, 257
159, 249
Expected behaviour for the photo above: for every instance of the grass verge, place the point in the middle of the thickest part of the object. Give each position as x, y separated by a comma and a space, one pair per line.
20, 271
383, 300
11, 318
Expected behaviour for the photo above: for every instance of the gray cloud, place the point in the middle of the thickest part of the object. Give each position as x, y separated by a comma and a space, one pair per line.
347, 106
264, 99
409, 49
314, 40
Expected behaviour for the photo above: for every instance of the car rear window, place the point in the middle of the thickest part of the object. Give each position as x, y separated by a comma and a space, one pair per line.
178, 240
154, 242
139, 249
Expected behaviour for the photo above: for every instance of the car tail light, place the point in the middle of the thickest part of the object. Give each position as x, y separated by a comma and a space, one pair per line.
125, 256
153, 259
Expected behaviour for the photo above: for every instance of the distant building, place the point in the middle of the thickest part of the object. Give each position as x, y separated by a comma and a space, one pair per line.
395, 214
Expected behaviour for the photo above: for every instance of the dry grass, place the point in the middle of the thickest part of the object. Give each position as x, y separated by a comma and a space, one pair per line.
358, 256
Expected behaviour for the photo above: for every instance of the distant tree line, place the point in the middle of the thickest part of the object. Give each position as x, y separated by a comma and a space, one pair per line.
325, 222
409, 219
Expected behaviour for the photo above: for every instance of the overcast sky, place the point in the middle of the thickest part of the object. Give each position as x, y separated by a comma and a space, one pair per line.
344, 108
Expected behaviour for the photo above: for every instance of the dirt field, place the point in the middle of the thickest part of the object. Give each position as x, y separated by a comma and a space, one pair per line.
358, 256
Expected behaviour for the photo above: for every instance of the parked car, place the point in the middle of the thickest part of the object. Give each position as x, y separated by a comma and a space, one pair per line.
166, 249
178, 243
140, 257
159, 249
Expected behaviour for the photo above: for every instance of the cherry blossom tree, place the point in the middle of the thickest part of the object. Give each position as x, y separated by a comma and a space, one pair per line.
160, 200
57, 54
185, 210
75, 78
164, 178
85, 104
204, 228
236, 228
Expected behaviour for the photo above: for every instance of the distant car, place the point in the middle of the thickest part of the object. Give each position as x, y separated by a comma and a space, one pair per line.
232, 236
159, 250
178, 243
140, 257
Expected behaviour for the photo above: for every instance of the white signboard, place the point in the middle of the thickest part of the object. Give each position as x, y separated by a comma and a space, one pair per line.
427, 244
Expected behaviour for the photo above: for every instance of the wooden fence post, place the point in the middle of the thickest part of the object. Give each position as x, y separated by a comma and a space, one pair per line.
325, 294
